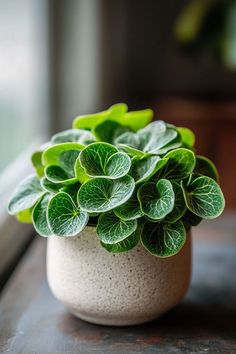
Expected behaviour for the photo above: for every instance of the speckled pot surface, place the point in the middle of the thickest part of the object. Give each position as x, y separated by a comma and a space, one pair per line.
115, 289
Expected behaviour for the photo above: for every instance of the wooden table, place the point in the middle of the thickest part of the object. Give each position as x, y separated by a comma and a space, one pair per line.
32, 321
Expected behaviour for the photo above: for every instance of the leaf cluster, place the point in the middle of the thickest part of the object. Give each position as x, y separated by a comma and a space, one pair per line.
133, 179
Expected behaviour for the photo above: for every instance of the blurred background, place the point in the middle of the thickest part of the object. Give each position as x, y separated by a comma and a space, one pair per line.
59, 59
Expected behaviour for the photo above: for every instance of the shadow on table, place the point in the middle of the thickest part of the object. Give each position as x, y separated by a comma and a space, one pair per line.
189, 321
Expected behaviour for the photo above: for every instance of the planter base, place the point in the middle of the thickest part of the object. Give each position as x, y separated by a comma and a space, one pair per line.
115, 289
114, 321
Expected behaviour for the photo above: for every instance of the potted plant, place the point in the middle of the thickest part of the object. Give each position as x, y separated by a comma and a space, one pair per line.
117, 196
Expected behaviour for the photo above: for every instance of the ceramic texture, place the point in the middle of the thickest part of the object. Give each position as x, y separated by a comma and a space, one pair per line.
115, 289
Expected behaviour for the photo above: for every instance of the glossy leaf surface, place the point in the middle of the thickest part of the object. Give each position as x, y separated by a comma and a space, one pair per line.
143, 169
163, 240
108, 131
64, 217
181, 163
125, 245
25, 195
51, 156
156, 200
101, 195
111, 229
36, 160
204, 198
39, 216
130, 210
80, 136
187, 136
104, 160
179, 206
206, 167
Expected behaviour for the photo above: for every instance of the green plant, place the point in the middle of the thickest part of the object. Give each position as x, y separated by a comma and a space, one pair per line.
132, 179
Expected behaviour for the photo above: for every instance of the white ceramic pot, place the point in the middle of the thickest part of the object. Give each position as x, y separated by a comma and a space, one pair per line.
115, 289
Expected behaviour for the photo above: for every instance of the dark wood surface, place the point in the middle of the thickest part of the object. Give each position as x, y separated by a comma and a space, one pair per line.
32, 321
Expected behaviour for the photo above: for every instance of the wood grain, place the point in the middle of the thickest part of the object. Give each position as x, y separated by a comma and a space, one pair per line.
32, 321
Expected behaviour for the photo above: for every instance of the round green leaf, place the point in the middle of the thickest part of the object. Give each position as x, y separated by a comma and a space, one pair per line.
57, 174
80, 136
111, 229
64, 217
80, 174
169, 147
143, 169
116, 111
104, 160
108, 131
133, 152
50, 186
180, 165
206, 167
157, 127
100, 194
89, 121
51, 156
156, 200
187, 136
163, 240
26, 195
179, 207
39, 216
190, 218
130, 210
72, 190
204, 197
118, 165
36, 160
152, 141
123, 246
67, 161
94, 158
25, 216
128, 139
155, 139
129, 142
65, 172
156, 136
137, 119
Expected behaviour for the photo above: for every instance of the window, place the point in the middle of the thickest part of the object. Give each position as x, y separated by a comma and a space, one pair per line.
23, 76
50, 61
23, 109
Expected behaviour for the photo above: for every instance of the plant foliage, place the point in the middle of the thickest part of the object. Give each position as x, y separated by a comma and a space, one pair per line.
133, 179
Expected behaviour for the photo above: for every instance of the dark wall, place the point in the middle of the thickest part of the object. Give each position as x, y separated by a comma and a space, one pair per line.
141, 59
